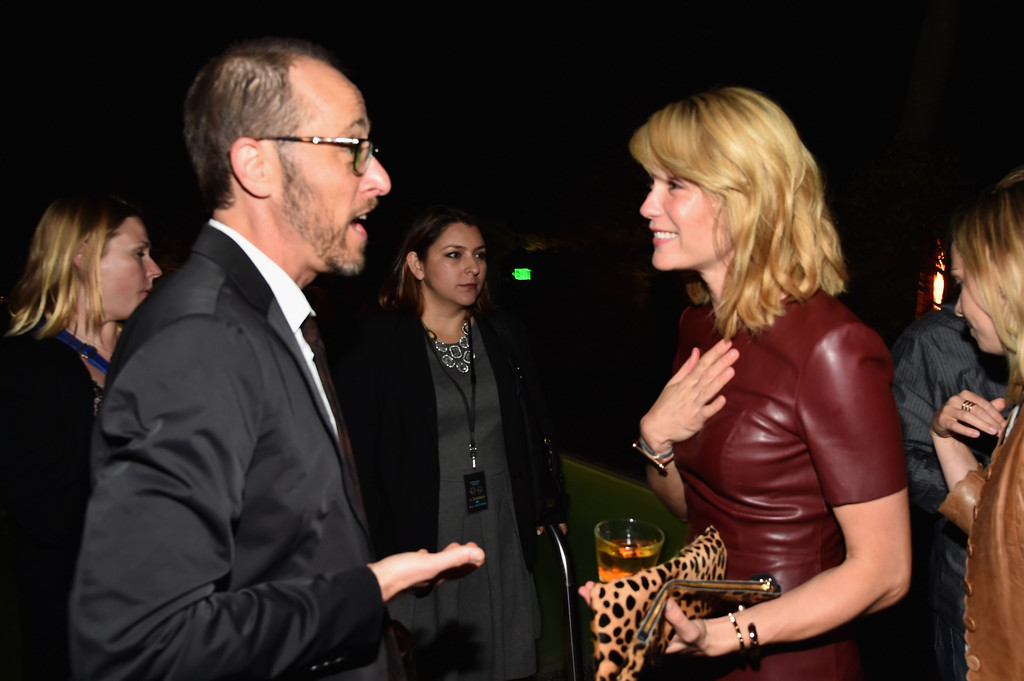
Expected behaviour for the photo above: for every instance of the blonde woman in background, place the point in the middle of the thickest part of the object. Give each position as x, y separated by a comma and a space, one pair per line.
988, 504
88, 268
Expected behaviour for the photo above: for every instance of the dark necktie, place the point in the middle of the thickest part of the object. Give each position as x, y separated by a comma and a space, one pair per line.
311, 332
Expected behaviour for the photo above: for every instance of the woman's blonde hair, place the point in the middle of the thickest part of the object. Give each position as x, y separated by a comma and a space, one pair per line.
989, 235
743, 151
47, 294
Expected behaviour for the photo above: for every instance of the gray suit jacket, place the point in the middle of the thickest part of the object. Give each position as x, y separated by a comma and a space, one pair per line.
221, 538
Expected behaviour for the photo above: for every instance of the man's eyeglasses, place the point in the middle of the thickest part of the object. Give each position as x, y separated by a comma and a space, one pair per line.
362, 149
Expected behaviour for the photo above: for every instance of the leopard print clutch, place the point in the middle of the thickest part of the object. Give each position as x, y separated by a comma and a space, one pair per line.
627, 625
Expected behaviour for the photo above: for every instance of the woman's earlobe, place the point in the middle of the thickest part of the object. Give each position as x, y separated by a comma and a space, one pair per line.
412, 261
79, 254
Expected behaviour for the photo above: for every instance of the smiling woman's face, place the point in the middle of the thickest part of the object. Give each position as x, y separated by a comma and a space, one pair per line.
970, 305
683, 220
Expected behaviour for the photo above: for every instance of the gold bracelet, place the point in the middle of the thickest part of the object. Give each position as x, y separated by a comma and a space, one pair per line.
739, 634
659, 460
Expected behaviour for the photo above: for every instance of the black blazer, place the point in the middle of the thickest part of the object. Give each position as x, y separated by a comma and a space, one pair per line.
391, 410
220, 539
46, 415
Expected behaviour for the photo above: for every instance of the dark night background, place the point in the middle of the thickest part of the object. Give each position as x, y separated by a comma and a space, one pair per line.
522, 113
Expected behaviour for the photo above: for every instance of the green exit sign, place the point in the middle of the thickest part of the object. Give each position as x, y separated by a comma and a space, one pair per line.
521, 274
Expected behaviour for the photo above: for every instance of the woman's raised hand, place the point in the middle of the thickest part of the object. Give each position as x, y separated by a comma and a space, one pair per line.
690, 398
969, 414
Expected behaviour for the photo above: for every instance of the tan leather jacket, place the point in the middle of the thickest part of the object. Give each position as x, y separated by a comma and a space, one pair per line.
989, 505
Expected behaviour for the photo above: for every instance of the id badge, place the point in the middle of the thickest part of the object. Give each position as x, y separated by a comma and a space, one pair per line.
476, 491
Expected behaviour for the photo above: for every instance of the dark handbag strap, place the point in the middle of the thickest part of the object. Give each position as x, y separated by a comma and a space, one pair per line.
527, 389
538, 429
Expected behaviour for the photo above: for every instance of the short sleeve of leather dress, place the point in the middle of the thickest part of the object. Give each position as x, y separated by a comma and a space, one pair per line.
809, 424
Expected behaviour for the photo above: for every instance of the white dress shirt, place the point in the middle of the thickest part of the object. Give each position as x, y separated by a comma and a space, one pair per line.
289, 296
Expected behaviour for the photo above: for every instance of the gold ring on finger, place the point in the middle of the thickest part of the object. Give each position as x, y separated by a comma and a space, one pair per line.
967, 405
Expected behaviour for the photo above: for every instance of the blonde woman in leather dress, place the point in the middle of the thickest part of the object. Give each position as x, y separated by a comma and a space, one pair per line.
780, 417
988, 504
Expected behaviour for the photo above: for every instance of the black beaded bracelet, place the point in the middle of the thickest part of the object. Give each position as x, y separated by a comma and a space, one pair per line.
755, 647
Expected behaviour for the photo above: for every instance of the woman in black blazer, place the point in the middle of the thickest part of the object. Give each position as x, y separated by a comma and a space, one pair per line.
430, 398
88, 268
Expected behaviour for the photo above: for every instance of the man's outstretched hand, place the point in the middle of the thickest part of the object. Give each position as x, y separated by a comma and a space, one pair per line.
420, 569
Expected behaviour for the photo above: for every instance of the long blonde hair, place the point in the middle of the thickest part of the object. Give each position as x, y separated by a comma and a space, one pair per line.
48, 291
989, 235
742, 149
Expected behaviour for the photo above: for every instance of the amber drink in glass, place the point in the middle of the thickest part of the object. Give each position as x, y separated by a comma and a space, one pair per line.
625, 546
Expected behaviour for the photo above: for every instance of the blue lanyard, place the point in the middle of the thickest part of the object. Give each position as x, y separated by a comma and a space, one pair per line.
87, 352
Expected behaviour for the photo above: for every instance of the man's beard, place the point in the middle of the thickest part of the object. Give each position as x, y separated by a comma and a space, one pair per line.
321, 235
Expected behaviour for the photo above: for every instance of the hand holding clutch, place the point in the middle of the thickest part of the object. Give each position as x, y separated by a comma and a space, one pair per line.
628, 627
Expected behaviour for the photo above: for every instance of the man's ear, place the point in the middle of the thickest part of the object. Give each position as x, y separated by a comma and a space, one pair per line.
254, 169
412, 261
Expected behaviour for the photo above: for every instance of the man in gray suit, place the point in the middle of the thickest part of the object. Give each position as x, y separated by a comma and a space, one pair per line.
225, 536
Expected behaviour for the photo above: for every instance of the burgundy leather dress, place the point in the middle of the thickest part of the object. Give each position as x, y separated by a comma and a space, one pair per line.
809, 423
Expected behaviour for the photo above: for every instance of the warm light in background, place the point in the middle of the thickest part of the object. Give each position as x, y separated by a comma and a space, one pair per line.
939, 282
931, 282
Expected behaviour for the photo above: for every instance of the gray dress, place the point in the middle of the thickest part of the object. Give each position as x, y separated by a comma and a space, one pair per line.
484, 625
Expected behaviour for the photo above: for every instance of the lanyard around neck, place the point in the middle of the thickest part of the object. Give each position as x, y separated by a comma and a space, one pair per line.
87, 352
468, 404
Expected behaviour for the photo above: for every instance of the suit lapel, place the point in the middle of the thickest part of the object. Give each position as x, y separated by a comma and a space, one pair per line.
214, 244
275, 317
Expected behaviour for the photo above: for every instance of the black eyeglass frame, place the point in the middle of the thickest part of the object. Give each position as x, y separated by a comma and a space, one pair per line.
362, 148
